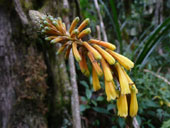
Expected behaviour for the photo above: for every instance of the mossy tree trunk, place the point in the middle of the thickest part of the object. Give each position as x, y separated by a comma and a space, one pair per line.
34, 84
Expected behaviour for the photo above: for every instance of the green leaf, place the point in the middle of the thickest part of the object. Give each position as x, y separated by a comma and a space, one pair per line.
84, 83
150, 103
152, 40
101, 110
94, 102
88, 93
116, 24
83, 107
110, 106
121, 122
166, 124
83, 98
100, 98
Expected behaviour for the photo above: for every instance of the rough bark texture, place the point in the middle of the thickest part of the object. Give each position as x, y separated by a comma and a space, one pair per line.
7, 61
34, 84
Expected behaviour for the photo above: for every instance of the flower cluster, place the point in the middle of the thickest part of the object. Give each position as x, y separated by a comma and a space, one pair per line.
105, 61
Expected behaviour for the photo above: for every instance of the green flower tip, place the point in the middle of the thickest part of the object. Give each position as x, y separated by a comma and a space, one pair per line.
88, 20
51, 18
59, 18
54, 22
47, 38
76, 31
77, 19
43, 31
41, 26
45, 22
47, 28
44, 18
88, 30
53, 41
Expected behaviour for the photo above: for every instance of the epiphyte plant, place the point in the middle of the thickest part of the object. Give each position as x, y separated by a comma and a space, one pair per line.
105, 61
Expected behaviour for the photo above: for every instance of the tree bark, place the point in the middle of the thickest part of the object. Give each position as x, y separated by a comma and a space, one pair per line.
34, 85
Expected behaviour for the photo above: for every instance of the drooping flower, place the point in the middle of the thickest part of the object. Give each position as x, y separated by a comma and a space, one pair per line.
102, 43
124, 85
133, 102
83, 63
122, 106
75, 52
105, 54
95, 64
95, 53
124, 61
99, 53
107, 71
110, 90
131, 83
95, 79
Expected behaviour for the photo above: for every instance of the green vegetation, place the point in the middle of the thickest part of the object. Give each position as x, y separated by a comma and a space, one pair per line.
142, 34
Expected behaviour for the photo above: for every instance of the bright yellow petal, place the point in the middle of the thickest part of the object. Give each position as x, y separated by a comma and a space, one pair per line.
73, 24
92, 50
130, 81
110, 90
84, 33
95, 79
122, 106
95, 64
84, 24
103, 43
124, 85
106, 69
83, 64
133, 104
75, 52
105, 54
124, 61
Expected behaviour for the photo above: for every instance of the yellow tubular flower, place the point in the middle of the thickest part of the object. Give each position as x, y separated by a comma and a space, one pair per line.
124, 61
84, 33
55, 23
83, 64
103, 43
122, 106
50, 38
68, 52
84, 24
95, 64
59, 38
131, 83
105, 54
124, 85
92, 50
106, 69
61, 27
52, 32
95, 79
75, 52
61, 49
64, 26
110, 90
73, 24
133, 103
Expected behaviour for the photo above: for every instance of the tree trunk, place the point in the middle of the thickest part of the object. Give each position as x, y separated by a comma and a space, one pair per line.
34, 85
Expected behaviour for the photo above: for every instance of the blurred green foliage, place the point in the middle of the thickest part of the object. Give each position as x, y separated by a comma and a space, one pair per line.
145, 40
